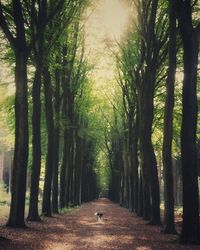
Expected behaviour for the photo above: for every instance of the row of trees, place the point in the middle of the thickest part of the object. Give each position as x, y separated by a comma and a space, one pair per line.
147, 65
45, 40
47, 43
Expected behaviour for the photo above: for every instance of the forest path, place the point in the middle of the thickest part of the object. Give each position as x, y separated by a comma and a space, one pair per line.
80, 230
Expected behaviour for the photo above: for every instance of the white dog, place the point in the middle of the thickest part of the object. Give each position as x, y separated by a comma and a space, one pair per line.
100, 215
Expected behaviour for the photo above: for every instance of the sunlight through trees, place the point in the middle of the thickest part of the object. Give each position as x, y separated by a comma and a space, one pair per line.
100, 98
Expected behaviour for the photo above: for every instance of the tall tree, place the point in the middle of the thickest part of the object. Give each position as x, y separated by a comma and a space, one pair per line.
65, 133
56, 138
69, 56
42, 17
23, 24
46, 201
21, 48
130, 105
168, 126
150, 49
190, 39
38, 24
48, 24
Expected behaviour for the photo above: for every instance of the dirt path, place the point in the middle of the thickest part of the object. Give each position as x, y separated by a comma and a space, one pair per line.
80, 230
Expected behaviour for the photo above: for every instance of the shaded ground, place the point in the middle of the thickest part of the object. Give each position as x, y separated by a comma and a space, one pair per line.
80, 230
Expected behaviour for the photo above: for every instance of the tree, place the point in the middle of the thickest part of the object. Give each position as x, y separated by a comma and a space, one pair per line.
46, 201
21, 47
23, 25
49, 28
128, 86
38, 24
190, 39
152, 53
69, 53
168, 126
57, 105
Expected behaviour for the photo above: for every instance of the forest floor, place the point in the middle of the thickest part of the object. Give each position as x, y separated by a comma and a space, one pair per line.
80, 230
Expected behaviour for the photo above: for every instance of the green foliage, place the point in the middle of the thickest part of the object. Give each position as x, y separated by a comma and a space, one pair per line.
4, 196
7, 124
4, 202
100, 119
65, 210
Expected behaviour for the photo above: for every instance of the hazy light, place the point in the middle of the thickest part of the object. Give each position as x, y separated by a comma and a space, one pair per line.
107, 22
115, 17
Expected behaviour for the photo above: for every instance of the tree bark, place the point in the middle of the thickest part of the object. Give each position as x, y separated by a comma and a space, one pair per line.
125, 170
65, 132
168, 127
149, 165
146, 87
36, 140
69, 169
56, 144
144, 170
19, 45
39, 25
46, 202
78, 169
190, 233
140, 196
63, 170
135, 164
36, 144
18, 188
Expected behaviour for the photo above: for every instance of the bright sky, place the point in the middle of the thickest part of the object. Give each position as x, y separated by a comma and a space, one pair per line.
106, 25
114, 17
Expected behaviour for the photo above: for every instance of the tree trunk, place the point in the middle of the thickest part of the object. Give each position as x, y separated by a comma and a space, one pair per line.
72, 169
122, 181
135, 164
132, 158
190, 233
125, 170
149, 165
140, 196
63, 170
144, 170
55, 171
36, 143
56, 143
69, 191
18, 190
78, 169
36, 116
65, 132
69, 169
46, 203
168, 127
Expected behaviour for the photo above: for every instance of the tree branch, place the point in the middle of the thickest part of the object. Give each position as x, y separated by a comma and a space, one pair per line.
5, 28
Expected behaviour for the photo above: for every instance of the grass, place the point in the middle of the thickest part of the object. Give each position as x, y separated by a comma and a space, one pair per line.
65, 210
4, 202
